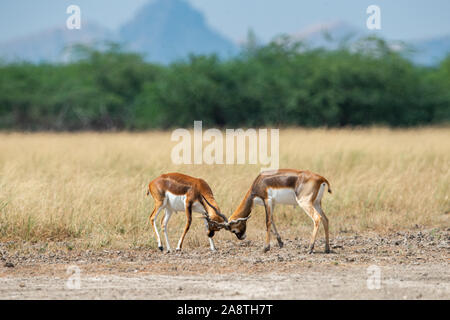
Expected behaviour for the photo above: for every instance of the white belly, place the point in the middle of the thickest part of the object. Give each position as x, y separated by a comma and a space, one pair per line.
197, 207
279, 196
178, 203
175, 202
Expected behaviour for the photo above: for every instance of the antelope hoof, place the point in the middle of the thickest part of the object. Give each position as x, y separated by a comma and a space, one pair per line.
280, 243
266, 248
178, 249
327, 249
311, 250
161, 248
168, 250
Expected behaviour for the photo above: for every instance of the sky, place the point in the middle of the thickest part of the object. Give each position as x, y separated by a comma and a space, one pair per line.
400, 19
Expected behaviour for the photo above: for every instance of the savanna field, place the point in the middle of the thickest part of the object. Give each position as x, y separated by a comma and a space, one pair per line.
88, 190
85, 129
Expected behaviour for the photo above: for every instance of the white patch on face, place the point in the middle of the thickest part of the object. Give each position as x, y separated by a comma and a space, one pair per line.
235, 230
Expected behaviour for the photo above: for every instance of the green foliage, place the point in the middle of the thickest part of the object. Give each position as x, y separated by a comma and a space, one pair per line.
279, 84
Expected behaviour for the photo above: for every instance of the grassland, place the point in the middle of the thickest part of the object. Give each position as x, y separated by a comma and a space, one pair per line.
87, 190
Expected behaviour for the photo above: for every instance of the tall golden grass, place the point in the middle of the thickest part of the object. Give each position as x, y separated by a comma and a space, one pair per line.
88, 189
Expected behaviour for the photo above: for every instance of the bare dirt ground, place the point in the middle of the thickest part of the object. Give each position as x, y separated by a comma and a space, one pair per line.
412, 265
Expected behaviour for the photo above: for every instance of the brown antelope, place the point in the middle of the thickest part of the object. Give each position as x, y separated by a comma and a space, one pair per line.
178, 192
284, 186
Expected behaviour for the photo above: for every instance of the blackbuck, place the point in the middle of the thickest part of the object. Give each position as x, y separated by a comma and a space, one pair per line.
284, 186
178, 192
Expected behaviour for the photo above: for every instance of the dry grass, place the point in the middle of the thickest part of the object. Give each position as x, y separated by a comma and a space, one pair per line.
88, 189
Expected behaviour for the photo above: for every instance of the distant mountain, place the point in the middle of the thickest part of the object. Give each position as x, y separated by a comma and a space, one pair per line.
165, 30
329, 34
53, 45
431, 51
162, 30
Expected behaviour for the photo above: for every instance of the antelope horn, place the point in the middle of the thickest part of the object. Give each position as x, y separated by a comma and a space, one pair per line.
207, 218
215, 209
218, 224
238, 220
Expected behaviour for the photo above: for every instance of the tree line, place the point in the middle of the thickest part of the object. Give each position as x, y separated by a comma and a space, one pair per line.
283, 83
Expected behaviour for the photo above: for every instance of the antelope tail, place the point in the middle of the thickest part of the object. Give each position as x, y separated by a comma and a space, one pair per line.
328, 185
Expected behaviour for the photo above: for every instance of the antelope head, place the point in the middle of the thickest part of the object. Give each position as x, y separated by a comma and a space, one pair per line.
236, 226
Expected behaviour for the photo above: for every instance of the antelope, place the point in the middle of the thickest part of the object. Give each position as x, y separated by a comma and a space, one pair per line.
284, 186
178, 192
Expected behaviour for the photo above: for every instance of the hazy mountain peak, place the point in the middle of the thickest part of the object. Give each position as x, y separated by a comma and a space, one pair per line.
328, 34
431, 50
166, 30
319, 28
162, 30
50, 45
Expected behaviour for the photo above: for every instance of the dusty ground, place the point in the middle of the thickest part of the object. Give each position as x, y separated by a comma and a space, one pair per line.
412, 265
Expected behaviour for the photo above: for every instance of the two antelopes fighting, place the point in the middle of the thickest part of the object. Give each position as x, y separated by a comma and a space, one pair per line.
178, 192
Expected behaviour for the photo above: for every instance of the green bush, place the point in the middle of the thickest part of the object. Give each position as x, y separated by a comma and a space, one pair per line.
279, 84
